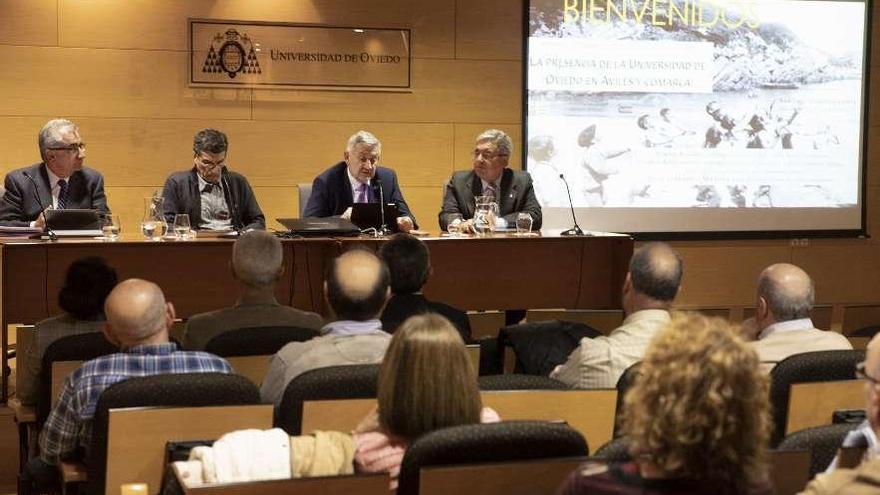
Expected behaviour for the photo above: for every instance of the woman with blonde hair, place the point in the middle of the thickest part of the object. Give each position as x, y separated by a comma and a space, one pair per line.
426, 382
696, 419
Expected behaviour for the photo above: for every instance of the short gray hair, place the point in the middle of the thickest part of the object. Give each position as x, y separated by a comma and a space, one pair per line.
786, 304
257, 258
52, 134
365, 138
211, 141
499, 138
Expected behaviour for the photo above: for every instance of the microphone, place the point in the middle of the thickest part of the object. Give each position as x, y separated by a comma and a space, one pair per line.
231, 200
384, 229
576, 230
49, 231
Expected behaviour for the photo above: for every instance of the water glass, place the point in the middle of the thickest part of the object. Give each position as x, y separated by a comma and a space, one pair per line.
181, 227
110, 227
523, 223
154, 229
453, 225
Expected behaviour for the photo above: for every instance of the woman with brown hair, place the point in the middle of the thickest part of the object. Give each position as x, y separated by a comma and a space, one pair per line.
426, 382
696, 419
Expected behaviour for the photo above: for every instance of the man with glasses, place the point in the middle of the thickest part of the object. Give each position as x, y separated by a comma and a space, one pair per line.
512, 189
60, 181
357, 179
214, 197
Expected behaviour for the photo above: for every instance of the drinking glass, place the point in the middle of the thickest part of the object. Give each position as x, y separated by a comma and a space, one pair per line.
523, 223
110, 226
453, 225
181, 226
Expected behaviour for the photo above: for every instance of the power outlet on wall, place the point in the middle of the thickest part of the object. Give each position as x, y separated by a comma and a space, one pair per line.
800, 243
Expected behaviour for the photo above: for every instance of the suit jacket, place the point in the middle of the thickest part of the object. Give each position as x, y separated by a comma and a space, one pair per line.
182, 195
19, 206
779, 345
331, 193
517, 195
402, 306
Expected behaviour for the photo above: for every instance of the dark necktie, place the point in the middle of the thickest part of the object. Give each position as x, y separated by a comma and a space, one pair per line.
62, 194
208, 188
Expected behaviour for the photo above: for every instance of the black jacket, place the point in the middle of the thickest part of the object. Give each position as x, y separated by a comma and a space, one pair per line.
181, 193
19, 205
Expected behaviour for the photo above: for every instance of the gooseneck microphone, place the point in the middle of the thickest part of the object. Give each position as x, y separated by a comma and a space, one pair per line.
383, 230
232, 206
49, 231
576, 230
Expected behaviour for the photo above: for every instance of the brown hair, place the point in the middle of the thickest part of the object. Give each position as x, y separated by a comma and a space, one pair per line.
426, 380
699, 407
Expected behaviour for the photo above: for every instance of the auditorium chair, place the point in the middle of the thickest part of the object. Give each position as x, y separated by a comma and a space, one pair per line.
520, 382
626, 380
168, 390
613, 451
821, 441
257, 341
333, 382
832, 370
305, 192
481, 444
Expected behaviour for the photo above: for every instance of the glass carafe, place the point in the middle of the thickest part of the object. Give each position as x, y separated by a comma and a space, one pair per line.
153, 226
485, 213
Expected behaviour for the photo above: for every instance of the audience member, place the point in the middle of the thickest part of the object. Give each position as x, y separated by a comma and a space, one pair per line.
426, 382
512, 189
357, 179
257, 264
214, 197
138, 319
409, 262
648, 291
356, 290
60, 181
782, 324
696, 419
86, 286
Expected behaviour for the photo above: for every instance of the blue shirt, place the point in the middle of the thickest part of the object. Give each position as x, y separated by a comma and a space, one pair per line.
70, 422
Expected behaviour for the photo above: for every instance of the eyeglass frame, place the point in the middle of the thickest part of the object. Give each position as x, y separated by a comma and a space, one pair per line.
863, 375
70, 147
488, 156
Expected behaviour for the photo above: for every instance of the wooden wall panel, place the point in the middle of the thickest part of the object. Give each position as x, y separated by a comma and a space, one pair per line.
162, 24
489, 29
844, 272
29, 22
873, 173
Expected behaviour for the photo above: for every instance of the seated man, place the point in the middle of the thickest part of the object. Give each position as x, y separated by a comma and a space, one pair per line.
648, 292
357, 179
782, 326
60, 181
138, 319
356, 290
409, 262
512, 189
256, 266
214, 197
86, 285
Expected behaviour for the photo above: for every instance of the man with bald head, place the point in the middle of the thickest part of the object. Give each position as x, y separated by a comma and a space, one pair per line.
648, 292
138, 319
782, 325
357, 287
257, 264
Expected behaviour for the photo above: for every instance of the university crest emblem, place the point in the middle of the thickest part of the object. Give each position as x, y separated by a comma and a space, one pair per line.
232, 52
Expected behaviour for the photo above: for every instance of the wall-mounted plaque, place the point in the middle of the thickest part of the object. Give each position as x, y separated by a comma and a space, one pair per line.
281, 55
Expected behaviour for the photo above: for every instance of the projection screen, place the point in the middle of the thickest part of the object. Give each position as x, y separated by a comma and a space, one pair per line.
742, 118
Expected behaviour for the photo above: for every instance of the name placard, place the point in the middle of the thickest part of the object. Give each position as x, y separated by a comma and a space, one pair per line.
283, 55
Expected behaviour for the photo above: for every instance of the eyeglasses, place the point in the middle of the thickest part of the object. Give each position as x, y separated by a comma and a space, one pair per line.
488, 155
863, 375
71, 147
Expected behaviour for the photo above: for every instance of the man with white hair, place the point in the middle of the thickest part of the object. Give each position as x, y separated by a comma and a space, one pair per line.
138, 319
59, 181
358, 179
257, 264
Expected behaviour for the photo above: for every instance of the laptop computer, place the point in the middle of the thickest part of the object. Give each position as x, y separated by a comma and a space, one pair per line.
366, 215
320, 227
74, 222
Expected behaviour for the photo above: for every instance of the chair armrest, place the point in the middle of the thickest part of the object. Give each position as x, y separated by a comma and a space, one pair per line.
73, 472
23, 414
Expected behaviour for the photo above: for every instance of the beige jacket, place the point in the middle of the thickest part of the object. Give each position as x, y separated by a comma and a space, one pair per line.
863, 479
780, 345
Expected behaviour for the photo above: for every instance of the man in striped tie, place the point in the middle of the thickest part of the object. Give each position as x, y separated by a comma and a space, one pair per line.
60, 181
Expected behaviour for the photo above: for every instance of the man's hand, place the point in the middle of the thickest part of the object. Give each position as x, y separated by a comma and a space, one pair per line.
405, 224
749, 330
40, 222
346, 214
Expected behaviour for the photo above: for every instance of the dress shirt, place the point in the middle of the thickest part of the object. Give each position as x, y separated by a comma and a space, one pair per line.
500, 222
599, 362
787, 326
70, 422
56, 190
215, 212
854, 439
349, 327
356, 185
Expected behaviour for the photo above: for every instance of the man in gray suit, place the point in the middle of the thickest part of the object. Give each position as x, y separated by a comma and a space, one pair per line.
490, 176
60, 181
357, 287
782, 326
257, 264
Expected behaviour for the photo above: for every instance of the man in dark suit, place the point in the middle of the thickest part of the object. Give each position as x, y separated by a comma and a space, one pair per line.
214, 198
354, 180
409, 263
60, 181
490, 177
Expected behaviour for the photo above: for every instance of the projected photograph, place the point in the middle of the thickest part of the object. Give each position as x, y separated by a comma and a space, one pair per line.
693, 104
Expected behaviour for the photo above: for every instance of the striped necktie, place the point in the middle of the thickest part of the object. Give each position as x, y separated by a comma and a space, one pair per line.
490, 190
62, 194
362, 194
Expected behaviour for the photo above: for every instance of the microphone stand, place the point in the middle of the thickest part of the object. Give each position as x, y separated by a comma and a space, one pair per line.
51, 233
383, 230
232, 206
576, 230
